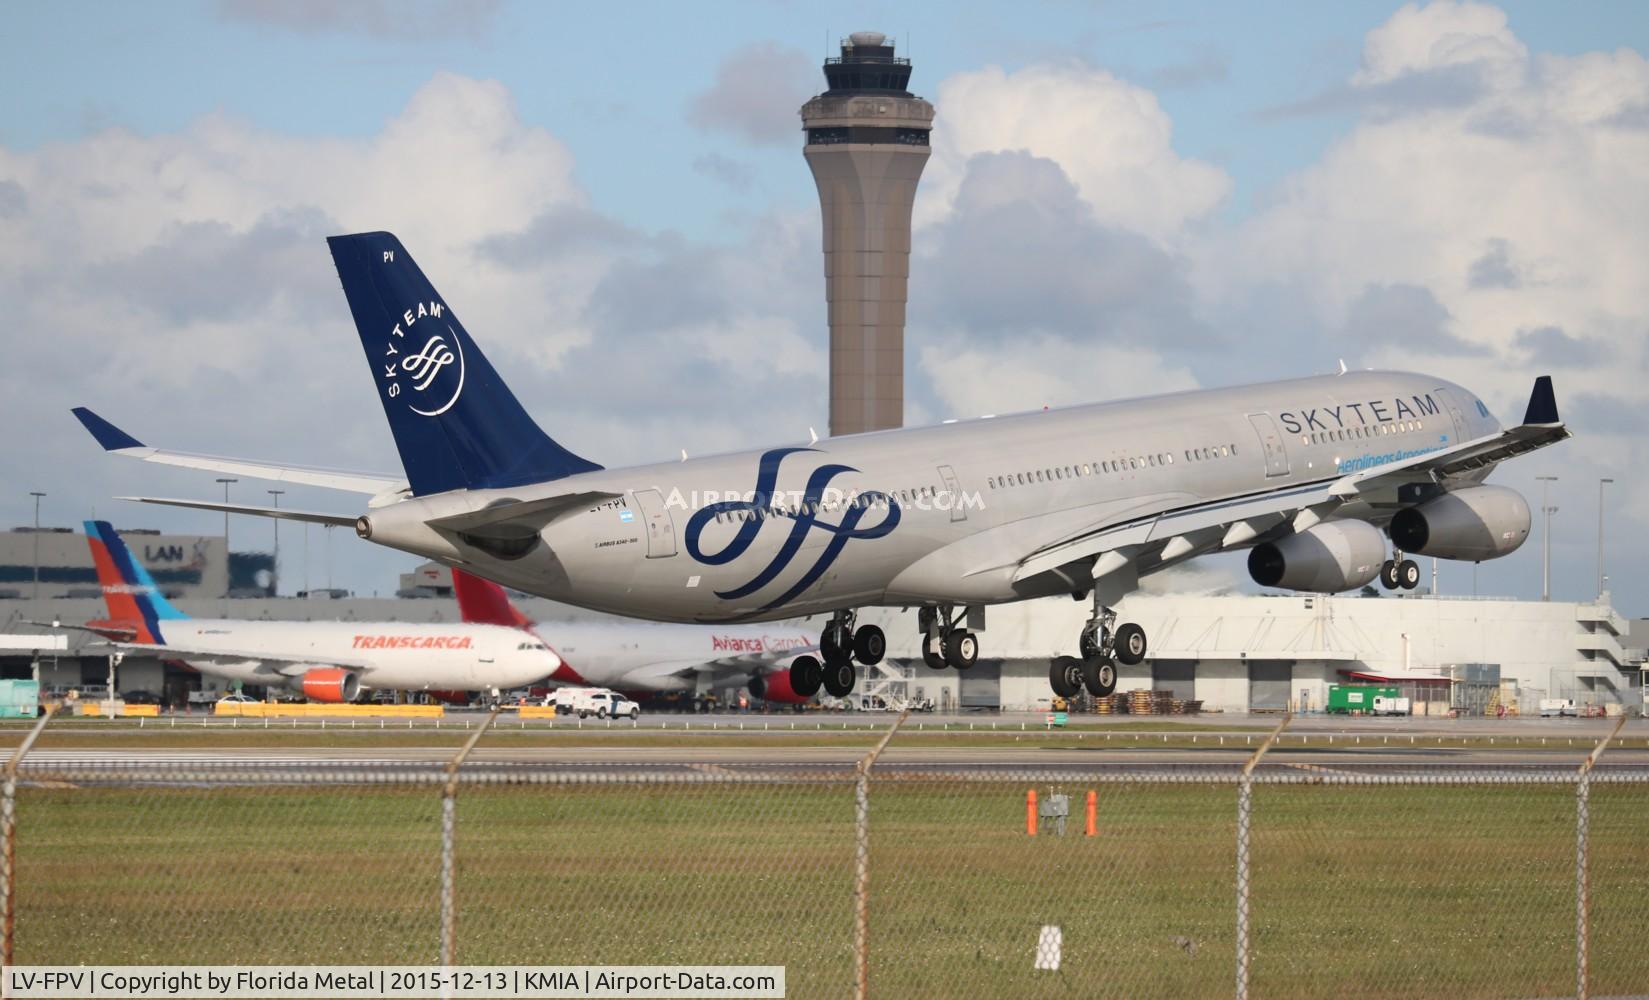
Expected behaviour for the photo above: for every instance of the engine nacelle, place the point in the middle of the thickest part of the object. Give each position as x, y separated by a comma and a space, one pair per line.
329, 684
1330, 557
1476, 523
774, 685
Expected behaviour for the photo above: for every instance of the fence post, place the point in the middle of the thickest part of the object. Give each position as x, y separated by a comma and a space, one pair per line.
449, 830
1583, 822
861, 862
1245, 807
8, 838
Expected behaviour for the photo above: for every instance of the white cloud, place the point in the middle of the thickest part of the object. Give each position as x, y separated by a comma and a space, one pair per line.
1032, 372
1111, 138
1438, 36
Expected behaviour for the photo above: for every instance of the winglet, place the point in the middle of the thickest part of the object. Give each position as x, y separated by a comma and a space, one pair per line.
1542, 403
108, 435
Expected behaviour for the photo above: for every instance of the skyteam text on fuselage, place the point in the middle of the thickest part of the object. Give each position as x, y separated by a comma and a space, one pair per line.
1304, 473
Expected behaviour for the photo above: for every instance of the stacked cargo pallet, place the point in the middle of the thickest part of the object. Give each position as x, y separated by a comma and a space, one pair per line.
1106, 705
1139, 702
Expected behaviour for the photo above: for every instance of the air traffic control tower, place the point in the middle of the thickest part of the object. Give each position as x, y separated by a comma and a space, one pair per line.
867, 141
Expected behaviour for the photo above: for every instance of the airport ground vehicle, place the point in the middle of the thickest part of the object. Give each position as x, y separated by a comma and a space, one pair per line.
603, 705
1344, 699
1551, 707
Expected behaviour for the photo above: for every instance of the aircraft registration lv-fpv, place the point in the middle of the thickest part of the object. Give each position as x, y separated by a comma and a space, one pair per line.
1311, 475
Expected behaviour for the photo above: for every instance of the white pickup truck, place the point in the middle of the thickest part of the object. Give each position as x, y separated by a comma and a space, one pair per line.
599, 702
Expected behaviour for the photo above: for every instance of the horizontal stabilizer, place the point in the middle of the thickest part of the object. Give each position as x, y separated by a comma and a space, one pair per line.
381, 487
279, 513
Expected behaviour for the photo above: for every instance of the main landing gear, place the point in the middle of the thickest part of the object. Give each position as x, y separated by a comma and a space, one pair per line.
944, 642
839, 646
1102, 649
1398, 572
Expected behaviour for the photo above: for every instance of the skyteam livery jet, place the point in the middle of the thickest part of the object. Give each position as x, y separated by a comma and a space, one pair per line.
1081, 501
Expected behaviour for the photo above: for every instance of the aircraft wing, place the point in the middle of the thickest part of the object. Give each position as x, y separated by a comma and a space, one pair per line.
657, 676
382, 488
109, 630
283, 664
1176, 533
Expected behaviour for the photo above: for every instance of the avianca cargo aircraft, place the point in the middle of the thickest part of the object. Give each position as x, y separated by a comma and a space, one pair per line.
644, 658
325, 661
1310, 475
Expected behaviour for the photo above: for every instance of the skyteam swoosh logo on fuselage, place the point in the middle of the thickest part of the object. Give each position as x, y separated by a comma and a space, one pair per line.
805, 517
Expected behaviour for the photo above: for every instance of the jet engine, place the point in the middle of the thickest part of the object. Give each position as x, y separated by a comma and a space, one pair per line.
1476, 523
329, 684
774, 685
1330, 557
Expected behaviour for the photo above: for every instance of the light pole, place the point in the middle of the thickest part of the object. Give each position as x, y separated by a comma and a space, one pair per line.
275, 581
1546, 510
228, 576
35, 594
1600, 577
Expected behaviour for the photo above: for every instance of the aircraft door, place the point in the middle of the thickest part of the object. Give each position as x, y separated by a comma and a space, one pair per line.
661, 527
1271, 441
954, 488
1454, 413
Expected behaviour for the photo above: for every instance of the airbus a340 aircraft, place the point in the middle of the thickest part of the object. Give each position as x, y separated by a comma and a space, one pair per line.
325, 661
1082, 501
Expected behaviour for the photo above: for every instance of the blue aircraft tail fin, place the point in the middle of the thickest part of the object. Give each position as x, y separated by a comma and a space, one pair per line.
456, 424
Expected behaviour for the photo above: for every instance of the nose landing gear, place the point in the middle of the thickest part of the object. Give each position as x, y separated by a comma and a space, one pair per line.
1399, 573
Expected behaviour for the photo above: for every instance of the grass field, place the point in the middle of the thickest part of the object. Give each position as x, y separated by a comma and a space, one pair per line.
1462, 891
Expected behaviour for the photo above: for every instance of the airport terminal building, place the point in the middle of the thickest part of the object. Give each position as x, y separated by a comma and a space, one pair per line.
1244, 653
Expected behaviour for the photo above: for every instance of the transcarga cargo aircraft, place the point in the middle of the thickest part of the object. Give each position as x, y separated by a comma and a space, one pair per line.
324, 661
1311, 475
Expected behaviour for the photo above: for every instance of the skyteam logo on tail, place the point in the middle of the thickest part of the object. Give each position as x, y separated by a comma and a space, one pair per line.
763, 506
432, 375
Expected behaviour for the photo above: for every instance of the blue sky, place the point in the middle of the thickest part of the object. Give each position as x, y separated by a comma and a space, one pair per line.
613, 82
1336, 174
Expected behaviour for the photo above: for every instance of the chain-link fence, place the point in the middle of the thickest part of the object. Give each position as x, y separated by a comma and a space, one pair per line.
899, 880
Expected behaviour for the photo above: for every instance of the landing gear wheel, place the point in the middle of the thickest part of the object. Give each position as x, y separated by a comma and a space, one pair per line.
1388, 574
836, 644
869, 645
1065, 676
961, 648
1099, 677
806, 674
1130, 644
933, 653
1093, 642
839, 680
1408, 574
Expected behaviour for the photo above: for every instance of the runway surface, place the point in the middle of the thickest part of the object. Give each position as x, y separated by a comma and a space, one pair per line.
779, 761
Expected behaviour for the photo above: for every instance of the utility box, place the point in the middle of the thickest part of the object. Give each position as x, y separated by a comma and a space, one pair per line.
1344, 699
1055, 807
19, 699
